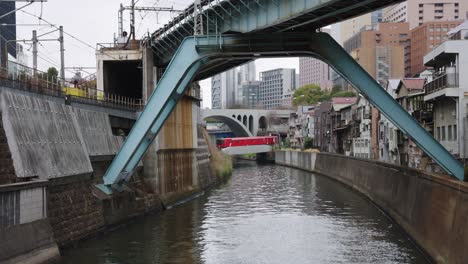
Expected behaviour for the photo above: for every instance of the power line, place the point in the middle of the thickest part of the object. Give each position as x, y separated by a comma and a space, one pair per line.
68, 34
53, 25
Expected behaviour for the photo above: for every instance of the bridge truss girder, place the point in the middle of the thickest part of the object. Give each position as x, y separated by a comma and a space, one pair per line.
217, 17
195, 52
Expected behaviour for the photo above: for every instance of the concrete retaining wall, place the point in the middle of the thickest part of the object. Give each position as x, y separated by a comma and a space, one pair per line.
97, 133
25, 233
28, 243
42, 137
432, 209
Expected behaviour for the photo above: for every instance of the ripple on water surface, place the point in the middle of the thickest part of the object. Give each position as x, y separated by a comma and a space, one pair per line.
265, 214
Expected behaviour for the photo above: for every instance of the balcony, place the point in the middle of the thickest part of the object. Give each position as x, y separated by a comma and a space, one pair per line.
460, 35
444, 85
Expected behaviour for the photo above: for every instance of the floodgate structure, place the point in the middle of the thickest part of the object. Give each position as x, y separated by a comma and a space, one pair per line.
76, 163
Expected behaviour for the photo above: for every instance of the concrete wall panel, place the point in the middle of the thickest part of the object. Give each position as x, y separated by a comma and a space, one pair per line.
97, 133
43, 138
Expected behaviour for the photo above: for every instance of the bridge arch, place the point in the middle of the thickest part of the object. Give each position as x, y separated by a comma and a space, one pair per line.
262, 123
251, 124
235, 125
244, 121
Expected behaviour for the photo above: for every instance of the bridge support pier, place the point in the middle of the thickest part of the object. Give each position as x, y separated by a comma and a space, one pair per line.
195, 52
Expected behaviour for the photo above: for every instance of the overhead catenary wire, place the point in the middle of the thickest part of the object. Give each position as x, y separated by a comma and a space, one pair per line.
68, 34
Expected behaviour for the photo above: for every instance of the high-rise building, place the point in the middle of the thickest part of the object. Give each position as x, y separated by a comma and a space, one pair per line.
416, 12
425, 38
250, 94
248, 72
223, 89
342, 31
383, 52
277, 87
314, 71
227, 87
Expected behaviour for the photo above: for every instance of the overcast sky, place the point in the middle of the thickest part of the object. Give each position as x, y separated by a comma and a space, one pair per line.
95, 21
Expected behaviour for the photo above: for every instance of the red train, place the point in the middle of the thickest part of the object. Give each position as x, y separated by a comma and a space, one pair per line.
245, 141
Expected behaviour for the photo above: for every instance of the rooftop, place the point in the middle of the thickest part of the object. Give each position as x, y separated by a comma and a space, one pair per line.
413, 83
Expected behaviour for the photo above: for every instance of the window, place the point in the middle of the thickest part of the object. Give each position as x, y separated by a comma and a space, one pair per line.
443, 133
449, 133
438, 133
454, 132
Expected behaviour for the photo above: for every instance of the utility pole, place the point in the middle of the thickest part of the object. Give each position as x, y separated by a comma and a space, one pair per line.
3, 53
133, 9
121, 9
132, 20
34, 47
62, 54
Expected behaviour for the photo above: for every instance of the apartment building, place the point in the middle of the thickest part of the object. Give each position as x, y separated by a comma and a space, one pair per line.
416, 12
383, 52
447, 90
425, 38
314, 71
277, 87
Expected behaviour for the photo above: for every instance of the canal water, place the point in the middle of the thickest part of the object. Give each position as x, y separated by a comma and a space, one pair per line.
264, 214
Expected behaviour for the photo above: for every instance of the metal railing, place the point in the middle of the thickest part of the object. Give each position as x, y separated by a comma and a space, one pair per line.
460, 35
447, 80
23, 78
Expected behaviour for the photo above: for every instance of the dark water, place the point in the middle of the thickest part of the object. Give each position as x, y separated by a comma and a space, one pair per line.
265, 214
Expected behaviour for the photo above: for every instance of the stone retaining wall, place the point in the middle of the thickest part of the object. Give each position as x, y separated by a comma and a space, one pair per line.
73, 210
432, 209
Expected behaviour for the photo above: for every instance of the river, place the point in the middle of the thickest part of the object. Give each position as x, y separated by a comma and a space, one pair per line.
264, 214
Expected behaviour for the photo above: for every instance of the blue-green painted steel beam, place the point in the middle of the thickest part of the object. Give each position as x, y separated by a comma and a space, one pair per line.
262, 16
195, 52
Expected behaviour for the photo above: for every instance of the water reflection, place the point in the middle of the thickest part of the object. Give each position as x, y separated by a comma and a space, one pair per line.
265, 214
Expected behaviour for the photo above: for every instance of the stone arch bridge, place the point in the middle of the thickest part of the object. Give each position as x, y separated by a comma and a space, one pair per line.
249, 122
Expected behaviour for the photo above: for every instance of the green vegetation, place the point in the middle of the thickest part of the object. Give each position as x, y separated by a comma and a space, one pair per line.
344, 94
312, 94
51, 75
309, 94
308, 143
286, 143
250, 156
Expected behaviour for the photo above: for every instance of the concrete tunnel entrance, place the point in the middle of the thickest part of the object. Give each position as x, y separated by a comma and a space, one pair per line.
124, 78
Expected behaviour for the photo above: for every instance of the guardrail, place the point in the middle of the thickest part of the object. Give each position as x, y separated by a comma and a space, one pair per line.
22, 78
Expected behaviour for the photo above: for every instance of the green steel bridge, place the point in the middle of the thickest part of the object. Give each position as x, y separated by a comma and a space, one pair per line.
212, 36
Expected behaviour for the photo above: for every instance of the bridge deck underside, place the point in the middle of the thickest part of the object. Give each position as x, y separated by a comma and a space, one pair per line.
255, 16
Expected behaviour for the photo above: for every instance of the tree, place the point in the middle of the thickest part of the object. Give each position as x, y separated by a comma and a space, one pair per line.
52, 72
336, 89
309, 95
308, 143
51, 75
